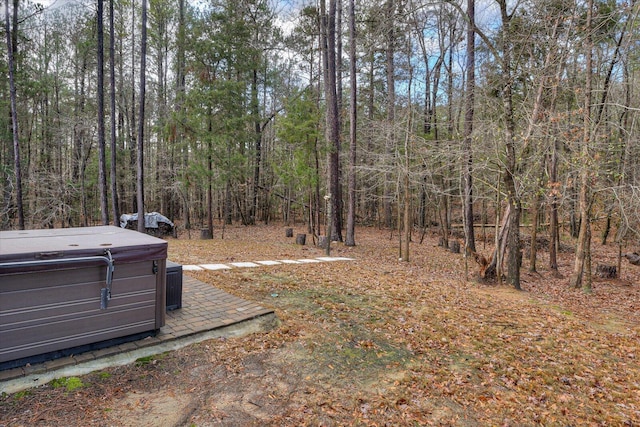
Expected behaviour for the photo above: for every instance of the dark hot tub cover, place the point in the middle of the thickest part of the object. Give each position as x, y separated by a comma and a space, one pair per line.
124, 245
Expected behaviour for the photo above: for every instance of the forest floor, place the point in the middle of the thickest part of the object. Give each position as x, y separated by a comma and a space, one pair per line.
376, 341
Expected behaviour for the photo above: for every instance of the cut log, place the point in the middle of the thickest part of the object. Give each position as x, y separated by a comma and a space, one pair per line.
606, 271
301, 239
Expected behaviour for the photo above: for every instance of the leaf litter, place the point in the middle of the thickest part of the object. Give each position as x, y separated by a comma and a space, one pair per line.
376, 341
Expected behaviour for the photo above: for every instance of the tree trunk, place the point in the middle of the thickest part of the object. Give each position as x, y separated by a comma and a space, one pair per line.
161, 170
502, 233
14, 30
514, 256
11, 49
353, 109
535, 214
470, 241
553, 207
581, 275
391, 102
339, 63
102, 161
333, 122
407, 191
449, 67
428, 111
140, 157
329, 225
133, 146
258, 147
179, 103
533, 248
112, 105
210, 188
78, 131
369, 201
227, 210
209, 174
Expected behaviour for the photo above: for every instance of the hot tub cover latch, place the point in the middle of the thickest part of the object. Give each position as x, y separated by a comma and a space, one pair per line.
105, 293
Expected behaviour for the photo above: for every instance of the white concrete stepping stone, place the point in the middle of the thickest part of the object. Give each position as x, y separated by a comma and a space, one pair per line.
228, 266
267, 262
215, 266
244, 264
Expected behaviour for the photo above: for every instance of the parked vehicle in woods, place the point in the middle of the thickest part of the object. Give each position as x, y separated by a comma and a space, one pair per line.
154, 223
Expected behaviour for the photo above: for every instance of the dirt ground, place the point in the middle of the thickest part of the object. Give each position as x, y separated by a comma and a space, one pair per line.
376, 341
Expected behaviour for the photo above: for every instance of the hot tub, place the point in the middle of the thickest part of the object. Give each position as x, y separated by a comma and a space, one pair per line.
65, 291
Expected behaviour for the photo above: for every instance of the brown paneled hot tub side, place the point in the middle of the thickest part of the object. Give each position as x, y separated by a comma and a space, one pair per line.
65, 291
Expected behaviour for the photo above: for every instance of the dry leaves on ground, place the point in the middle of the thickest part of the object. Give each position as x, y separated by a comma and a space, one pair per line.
376, 341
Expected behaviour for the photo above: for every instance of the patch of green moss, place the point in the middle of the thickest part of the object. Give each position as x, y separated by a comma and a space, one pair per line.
143, 361
152, 359
70, 383
21, 394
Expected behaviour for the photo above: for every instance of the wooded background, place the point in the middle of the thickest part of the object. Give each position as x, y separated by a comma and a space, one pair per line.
402, 114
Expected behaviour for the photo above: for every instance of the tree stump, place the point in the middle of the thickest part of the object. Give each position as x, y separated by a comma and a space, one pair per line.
606, 271
454, 246
322, 241
289, 232
205, 234
301, 239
